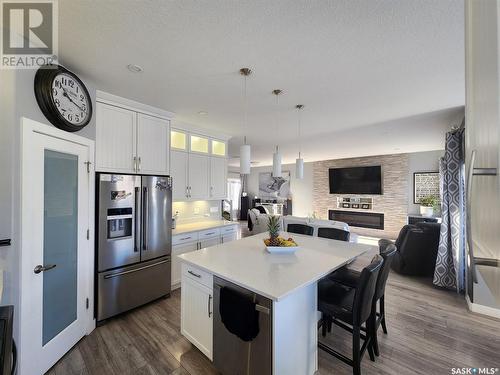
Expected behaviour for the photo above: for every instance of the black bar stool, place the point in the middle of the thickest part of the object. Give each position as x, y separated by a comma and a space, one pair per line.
334, 234
300, 229
350, 308
348, 277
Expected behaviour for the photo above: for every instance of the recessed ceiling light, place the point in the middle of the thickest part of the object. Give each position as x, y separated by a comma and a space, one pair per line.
203, 113
135, 68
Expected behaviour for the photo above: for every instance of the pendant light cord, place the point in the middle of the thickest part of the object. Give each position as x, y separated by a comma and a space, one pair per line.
245, 108
300, 139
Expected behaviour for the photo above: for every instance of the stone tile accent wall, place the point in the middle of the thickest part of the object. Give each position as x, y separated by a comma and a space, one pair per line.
393, 203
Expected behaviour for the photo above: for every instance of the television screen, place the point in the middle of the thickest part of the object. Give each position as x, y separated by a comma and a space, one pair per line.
358, 180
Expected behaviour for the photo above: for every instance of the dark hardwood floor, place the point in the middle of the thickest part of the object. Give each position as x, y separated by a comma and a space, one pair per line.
430, 332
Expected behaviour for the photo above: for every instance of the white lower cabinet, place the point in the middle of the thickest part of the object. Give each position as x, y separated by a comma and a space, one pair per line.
192, 241
197, 310
210, 242
176, 264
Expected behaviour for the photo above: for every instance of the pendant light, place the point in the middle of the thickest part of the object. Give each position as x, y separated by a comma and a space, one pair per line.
277, 154
299, 163
245, 150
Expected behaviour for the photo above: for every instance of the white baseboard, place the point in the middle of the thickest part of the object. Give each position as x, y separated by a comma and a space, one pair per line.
481, 309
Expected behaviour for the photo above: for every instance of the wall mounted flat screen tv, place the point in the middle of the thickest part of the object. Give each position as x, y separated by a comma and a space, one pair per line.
357, 180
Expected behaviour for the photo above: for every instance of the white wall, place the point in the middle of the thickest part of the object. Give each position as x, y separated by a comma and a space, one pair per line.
421, 162
301, 190
18, 100
483, 135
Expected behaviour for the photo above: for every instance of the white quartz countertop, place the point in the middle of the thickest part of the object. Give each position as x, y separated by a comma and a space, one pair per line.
201, 225
247, 263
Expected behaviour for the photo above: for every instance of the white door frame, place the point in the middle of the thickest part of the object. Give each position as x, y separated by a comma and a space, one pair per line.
28, 127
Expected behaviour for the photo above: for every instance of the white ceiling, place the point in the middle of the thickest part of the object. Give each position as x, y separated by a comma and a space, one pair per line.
374, 75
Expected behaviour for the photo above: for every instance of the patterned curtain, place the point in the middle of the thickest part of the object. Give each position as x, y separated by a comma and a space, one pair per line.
450, 262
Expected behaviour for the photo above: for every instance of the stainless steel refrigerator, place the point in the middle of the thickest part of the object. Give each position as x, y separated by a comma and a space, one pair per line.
134, 241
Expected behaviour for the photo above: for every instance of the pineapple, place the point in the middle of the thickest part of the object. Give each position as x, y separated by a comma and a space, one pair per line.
274, 230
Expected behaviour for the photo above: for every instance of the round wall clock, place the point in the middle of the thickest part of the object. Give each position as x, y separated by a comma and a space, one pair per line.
63, 98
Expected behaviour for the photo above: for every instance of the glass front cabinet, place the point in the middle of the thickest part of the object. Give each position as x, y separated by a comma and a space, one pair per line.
198, 166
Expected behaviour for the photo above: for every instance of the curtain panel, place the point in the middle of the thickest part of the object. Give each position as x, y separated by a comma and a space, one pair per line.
450, 262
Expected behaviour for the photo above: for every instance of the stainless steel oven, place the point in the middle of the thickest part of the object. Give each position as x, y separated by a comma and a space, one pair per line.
133, 241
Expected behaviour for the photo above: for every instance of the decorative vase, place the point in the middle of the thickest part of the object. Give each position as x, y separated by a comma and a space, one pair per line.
426, 211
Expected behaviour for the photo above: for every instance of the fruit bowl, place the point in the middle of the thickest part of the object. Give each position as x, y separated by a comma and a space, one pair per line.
281, 245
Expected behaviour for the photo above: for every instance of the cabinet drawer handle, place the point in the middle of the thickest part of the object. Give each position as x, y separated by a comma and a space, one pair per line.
185, 238
194, 274
209, 234
209, 300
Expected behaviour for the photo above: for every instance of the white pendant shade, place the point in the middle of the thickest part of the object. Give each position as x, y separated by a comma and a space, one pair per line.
277, 164
299, 168
245, 156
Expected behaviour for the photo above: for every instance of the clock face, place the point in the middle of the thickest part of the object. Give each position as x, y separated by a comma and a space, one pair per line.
63, 98
70, 99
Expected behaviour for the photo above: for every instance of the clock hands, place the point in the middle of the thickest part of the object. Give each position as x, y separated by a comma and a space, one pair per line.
65, 93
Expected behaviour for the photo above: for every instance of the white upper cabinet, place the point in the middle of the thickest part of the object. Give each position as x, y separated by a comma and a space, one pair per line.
131, 137
178, 171
152, 144
115, 139
198, 175
198, 166
218, 178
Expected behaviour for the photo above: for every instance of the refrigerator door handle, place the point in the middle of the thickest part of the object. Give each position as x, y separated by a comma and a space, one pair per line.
145, 218
137, 240
135, 270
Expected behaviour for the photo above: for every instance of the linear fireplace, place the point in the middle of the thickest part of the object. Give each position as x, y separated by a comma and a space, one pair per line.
370, 220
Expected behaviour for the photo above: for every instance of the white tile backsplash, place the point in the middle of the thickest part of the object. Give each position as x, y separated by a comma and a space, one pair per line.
196, 211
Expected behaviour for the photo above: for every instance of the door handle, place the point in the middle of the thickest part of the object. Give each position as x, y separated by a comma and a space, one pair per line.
41, 268
209, 300
135, 164
139, 163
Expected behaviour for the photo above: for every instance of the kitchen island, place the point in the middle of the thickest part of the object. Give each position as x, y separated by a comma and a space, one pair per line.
287, 281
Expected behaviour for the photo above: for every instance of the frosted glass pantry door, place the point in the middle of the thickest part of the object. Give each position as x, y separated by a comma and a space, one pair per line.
56, 263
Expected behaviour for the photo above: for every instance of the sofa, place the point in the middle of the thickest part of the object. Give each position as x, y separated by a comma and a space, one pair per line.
417, 248
257, 221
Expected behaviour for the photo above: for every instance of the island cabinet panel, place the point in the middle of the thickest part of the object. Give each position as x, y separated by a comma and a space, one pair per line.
182, 248
295, 350
197, 314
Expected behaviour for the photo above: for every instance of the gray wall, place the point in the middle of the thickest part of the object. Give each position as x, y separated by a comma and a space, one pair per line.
421, 162
304, 203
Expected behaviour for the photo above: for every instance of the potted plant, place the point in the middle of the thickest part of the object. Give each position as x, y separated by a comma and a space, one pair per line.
428, 204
